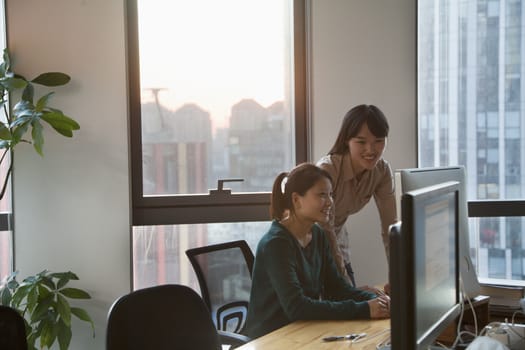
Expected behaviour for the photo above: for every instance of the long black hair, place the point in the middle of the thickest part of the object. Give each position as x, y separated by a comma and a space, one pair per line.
354, 120
303, 177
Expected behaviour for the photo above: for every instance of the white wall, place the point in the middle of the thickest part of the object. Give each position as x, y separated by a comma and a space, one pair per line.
365, 52
72, 207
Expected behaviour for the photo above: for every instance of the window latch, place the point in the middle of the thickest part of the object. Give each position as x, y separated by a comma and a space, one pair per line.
221, 191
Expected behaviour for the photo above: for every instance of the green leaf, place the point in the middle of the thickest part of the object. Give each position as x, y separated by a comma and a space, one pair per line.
22, 109
30, 280
64, 278
64, 335
38, 138
74, 293
6, 60
42, 273
12, 283
48, 335
48, 282
64, 309
52, 79
43, 291
42, 101
42, 308
62, 282
11, 84
61, 123
29, 93
64, 275
32, 298
20, 294
19, 132
5, 296
31, 340
5, 133
84, 316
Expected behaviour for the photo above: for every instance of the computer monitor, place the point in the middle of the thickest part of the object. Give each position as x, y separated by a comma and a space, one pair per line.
424, 266
415, 178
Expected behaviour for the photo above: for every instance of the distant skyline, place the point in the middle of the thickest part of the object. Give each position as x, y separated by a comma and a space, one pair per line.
199, 66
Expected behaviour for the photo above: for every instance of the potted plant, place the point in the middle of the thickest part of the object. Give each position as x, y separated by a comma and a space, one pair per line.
26, 113
42, 300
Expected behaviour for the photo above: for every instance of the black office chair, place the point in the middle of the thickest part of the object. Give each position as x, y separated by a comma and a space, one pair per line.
12, 329
164, 317
224, 272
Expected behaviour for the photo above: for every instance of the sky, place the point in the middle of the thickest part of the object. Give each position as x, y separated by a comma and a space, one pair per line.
213, 53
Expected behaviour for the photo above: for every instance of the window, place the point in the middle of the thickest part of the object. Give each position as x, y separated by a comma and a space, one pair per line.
471, 111
217, 101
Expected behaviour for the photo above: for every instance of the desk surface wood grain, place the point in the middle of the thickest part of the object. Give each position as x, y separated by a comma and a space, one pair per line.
309, 335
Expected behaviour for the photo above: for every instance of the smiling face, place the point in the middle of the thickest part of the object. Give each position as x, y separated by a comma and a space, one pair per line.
365, 149
316, 203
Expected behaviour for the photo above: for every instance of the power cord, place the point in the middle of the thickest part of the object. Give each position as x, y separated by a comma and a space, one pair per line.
512, 327
460, 333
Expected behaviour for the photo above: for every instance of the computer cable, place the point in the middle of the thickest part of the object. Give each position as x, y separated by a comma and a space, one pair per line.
460, 333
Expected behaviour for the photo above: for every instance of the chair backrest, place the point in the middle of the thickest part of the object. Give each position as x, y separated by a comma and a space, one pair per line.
224, 272
161, 317
12, 329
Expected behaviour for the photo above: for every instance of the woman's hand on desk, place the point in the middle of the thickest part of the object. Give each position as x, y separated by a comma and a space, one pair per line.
379, 307
386, 288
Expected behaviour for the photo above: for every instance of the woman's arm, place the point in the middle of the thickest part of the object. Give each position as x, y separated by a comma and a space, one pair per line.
385, 199
286, 280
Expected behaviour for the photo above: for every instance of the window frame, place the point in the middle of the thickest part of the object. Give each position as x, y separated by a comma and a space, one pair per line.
6, 217
223, 206
496, 208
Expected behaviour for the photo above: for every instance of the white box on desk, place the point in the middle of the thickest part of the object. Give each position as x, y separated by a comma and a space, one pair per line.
510, 335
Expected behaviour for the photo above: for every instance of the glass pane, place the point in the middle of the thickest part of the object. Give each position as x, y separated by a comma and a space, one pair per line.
6, 249
159, 251
216, 93
471, 109
500, 247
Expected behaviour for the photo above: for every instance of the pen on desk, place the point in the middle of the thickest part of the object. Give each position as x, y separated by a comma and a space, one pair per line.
358, 337
352, 337
339, 337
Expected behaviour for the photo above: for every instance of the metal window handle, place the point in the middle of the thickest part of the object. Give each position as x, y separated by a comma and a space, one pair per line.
221, 191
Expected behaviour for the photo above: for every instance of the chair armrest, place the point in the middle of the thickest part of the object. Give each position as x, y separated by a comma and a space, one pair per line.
233, 339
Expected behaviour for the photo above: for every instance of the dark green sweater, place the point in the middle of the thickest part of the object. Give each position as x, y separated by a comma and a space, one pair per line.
294, 283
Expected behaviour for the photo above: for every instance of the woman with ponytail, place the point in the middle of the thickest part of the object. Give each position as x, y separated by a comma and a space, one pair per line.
294, 275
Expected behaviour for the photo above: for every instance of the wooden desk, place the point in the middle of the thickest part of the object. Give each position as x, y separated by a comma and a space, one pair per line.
309, 335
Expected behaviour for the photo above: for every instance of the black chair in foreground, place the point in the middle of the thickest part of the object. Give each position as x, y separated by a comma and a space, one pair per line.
164, 317
12, 329
224, 272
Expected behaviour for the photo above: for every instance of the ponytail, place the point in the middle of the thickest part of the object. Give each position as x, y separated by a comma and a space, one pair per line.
278, 202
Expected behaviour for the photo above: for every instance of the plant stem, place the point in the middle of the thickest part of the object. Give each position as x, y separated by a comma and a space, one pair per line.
6, 180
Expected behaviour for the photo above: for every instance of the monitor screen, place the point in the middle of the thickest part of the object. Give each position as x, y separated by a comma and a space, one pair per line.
424, 266
414, 178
